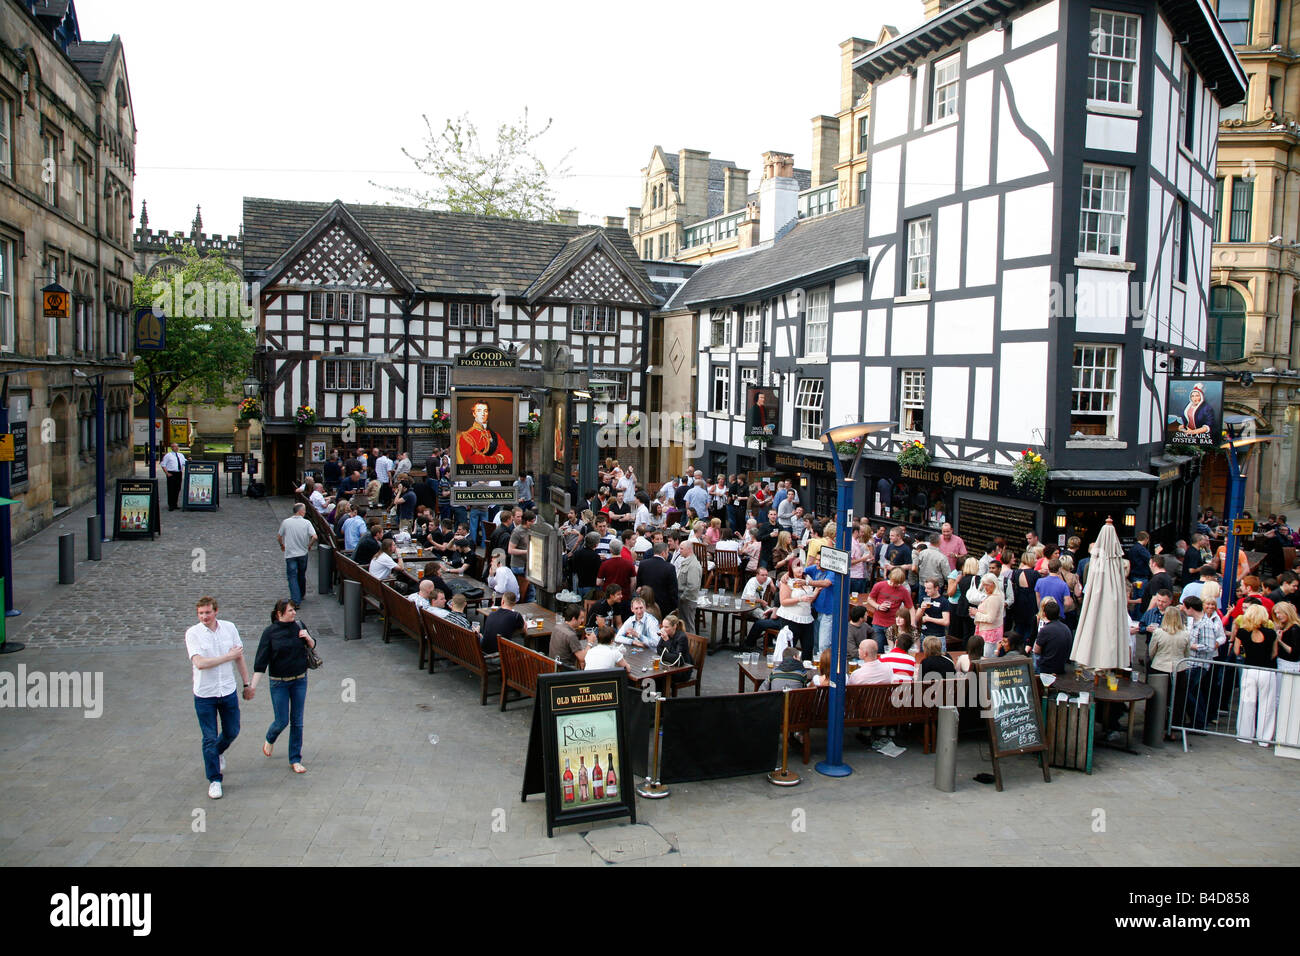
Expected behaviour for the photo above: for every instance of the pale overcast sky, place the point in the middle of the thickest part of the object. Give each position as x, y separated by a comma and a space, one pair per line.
312, 101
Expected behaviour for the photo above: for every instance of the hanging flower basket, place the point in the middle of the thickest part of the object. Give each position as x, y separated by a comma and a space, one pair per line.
358, 415
250, 409
305, 415
440, 420
913, 455
533, 427
1030, 472
849, 448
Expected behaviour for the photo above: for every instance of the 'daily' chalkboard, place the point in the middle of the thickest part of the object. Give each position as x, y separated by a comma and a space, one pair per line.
1013, 711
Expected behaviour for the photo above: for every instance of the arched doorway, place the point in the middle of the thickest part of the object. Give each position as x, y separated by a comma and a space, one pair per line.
60, 453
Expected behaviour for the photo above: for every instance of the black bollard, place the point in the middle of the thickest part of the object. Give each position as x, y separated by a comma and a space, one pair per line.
93, 544
67, 558
353, 608
324, 569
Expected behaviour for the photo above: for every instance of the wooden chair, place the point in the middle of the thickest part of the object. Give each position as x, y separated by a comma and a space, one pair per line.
522, 581
699, 652
706, 565
727, 569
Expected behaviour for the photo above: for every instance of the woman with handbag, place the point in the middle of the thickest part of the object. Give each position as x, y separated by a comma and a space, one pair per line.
988, 615
286, 651
961, 627
674, 645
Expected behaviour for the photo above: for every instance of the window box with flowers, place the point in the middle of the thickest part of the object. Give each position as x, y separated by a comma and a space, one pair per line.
1029, 473
358, 415
913, 454
250, 409
304, 415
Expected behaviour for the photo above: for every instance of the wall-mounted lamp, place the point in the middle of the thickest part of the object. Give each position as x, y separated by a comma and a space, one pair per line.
1061, 519
1130, 518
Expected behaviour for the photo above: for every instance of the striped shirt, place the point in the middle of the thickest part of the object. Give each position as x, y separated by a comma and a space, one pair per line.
1207, 635
903, 663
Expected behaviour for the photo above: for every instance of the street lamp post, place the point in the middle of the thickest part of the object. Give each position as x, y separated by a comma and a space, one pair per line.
1236, 502
101, 478
834, 765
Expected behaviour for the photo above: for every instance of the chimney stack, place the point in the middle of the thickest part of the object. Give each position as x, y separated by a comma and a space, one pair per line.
933, 8
747, 232
778, 195
735, 188
852, 86
825, 149
568, 217
614, 222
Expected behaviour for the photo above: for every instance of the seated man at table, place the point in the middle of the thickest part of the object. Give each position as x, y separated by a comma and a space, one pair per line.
873, 670
859, 627
504, 621
641, 629
568, 645
423, 597
438, 603
350, 485
1054, 642
611, 609
605, 655
368, 546
789, 673
901, 659
457, 613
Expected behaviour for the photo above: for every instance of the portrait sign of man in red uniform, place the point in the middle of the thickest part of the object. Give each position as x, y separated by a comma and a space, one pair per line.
485, 426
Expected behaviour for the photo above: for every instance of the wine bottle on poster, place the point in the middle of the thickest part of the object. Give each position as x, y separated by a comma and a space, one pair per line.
597, 779
611, 778
568, 782
583, 792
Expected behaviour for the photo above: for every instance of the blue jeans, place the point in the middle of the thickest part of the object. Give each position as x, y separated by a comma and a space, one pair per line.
289, 701
477, 518
209, 709
825, 629
859, 586
459, 516
881, 638
295, 569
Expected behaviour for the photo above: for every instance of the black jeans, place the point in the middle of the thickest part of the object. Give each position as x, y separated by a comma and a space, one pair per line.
173, 490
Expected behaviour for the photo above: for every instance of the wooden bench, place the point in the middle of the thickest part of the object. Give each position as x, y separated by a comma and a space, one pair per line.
519, 669
349, 570
401, 613
865, 705
461, 646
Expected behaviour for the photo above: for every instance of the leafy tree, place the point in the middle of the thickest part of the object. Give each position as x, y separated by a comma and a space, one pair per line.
208, 345
507, 180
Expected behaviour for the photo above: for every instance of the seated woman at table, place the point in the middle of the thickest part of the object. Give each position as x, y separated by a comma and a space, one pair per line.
751, 549
386, 561
372, 492
658, 518
934, 665
640, 629
823, 676
605, 654
727, 540
902, 625
500, 578
608, 610
974, 652
674, 645
713, 532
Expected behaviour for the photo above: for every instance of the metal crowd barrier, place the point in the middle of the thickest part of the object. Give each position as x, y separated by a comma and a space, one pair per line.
1206, 698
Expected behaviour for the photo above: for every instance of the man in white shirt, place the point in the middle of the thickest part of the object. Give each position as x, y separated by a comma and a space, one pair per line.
423, 597
297, 537
641, 629
173, 464
873, 669
213, 646
668, 490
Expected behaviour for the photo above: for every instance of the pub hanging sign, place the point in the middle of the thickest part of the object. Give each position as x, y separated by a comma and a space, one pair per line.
486, 356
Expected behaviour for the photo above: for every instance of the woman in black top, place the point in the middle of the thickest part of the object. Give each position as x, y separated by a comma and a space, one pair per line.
935, 666
283, 651
1256, 643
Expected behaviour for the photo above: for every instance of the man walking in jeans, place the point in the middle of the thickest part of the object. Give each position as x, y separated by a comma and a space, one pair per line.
213, 646
297, 537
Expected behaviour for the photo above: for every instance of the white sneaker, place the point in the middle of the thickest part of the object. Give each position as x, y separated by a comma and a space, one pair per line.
221, 763
214, 790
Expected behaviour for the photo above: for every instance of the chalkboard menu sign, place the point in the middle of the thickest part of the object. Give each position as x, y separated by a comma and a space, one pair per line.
234, 464
421, 449
202, 491
1014, 713
18, 469
582, 762
979, 522
135, 512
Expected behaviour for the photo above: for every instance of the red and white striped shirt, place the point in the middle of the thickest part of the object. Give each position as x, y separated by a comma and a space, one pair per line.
903, 663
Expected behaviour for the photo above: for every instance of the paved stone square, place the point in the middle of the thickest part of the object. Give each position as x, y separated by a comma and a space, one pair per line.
127, 788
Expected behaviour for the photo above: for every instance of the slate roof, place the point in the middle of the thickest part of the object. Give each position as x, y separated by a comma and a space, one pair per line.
814, 246
92, 60
445, 252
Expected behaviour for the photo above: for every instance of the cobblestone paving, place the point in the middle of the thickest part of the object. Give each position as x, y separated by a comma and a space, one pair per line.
128, 788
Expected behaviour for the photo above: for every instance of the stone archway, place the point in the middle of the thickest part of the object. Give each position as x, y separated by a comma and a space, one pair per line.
60, 453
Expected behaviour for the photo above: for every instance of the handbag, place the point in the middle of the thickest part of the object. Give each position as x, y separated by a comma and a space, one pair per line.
314, 660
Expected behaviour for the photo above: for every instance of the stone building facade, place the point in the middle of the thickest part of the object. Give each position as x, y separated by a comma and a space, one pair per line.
67, 168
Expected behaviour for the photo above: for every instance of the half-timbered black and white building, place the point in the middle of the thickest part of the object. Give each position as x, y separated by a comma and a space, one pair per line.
371, 305
1032, 264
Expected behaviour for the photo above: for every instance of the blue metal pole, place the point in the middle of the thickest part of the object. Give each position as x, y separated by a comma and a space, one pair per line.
1236, 501
834, 765
153, 437
100, 480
